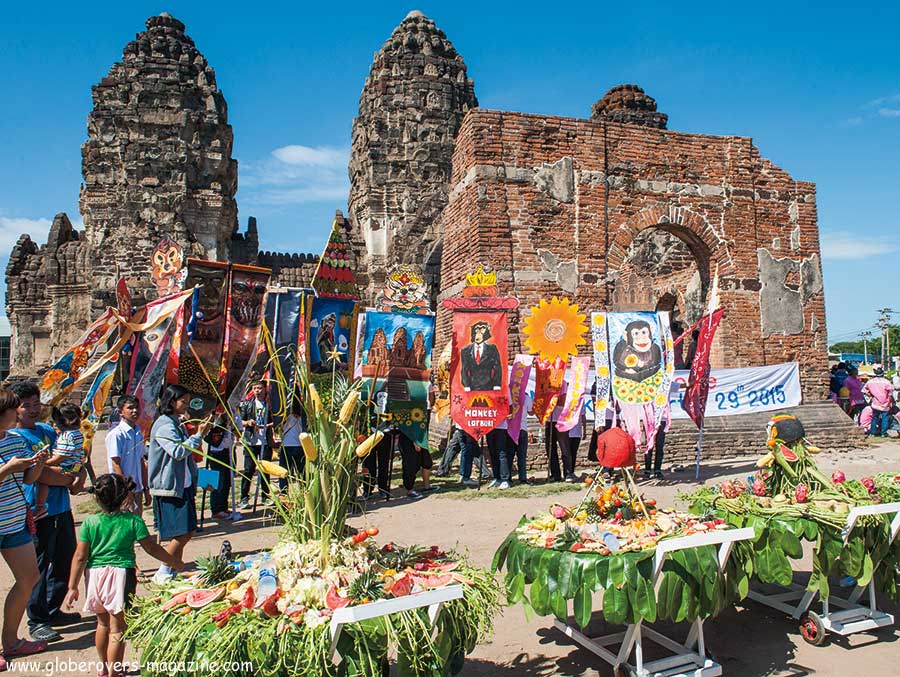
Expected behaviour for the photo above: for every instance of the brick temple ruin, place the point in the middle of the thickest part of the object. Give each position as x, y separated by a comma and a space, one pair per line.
615, 210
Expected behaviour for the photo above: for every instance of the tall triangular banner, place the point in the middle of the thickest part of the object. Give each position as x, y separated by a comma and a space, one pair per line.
694, 401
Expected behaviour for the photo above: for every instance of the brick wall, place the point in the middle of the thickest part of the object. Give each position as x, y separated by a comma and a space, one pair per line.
554, 205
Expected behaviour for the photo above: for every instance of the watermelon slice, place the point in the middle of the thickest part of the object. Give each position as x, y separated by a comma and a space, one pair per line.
432, 582
175, 600
197, 599
402, 586
333, 600
788, 454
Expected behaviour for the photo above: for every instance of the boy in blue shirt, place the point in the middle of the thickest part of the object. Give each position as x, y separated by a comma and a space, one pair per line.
55, 538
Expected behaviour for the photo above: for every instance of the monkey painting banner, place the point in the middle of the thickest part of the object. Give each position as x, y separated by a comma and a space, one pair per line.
246, 301
479, 390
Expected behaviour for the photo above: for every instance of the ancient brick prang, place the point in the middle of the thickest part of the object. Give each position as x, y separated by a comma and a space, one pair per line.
410, 110
629, 103
157, 160
621, 216
46, 287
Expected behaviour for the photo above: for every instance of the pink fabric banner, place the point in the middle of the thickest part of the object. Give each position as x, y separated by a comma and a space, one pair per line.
574, 404
518, 390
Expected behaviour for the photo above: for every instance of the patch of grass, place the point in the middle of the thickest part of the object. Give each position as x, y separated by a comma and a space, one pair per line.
87, 508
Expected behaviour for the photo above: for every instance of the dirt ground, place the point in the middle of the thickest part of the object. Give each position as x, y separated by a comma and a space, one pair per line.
749, 641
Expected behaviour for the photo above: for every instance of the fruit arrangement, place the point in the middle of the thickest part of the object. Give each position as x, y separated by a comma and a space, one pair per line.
790, 500
606, 544
272, 610
610, 519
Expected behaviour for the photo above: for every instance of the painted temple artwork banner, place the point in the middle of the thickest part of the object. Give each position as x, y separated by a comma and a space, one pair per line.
394, 358
329, 330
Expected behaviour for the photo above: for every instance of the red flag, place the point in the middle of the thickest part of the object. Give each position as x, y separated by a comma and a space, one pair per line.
694, 401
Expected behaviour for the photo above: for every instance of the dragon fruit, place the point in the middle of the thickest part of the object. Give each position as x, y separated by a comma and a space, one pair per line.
838, 477
801, 493
869, 484
729, 490
759, 487
559, 512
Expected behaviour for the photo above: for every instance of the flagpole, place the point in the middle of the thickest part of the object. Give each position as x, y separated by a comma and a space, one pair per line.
699, 447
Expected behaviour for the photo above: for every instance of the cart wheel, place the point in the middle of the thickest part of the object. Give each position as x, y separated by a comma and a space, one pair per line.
620, 670
812, 629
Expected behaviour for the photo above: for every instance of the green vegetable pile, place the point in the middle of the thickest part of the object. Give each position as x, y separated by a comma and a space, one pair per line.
691, 586
278, 647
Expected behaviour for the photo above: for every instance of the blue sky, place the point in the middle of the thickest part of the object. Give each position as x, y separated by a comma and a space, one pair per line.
816, 84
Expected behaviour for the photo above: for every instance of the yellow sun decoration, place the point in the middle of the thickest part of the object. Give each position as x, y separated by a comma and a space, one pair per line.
555, 329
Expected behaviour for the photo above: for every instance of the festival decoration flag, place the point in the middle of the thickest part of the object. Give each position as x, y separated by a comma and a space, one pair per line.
97, 394
694, 401
167, 267
151, 381
244, 316
404, 291
441, 406
396, 360
600, 344
518, 394
548, 383
196, 356
479, 385
574, 403
554, 330
642, 368
328, 334
334, 276
68, 370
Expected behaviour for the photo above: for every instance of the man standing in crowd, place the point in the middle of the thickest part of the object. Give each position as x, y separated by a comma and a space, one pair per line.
126, 453
881, 391
55, 537
256, 420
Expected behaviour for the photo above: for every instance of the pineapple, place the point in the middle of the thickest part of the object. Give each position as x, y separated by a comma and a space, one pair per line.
214, 569
368, 586
594, 516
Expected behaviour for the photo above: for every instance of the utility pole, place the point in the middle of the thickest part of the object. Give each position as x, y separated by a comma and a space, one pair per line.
884, 323
865, 338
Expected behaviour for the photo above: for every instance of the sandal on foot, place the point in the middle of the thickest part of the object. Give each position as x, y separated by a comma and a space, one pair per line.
24, 647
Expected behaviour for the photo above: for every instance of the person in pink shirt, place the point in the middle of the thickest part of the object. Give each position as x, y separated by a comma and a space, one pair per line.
854, 386
881, 392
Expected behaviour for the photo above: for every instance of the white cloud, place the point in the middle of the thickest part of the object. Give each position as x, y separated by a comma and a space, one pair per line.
294, 175
320, 156
848, 246
889, 112
880, 101
12, 227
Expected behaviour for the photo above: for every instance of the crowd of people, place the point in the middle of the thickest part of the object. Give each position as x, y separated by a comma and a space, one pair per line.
870, 400
43, 465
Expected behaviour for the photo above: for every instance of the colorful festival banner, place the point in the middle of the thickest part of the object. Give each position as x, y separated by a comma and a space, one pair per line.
574, 404
404, 291
641, 369
548, 383
196, 364
603, 385
518, 391
694, 402
59, 380
147, 389
479, 386
285, 319
97, 394
167, 267
328, 334
441, 406
334, 276
396, 360
244, 313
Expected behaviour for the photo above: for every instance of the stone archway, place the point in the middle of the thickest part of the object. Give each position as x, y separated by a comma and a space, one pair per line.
662, 270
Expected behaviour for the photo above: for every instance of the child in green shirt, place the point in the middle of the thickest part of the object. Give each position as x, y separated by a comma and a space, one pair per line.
106, 547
